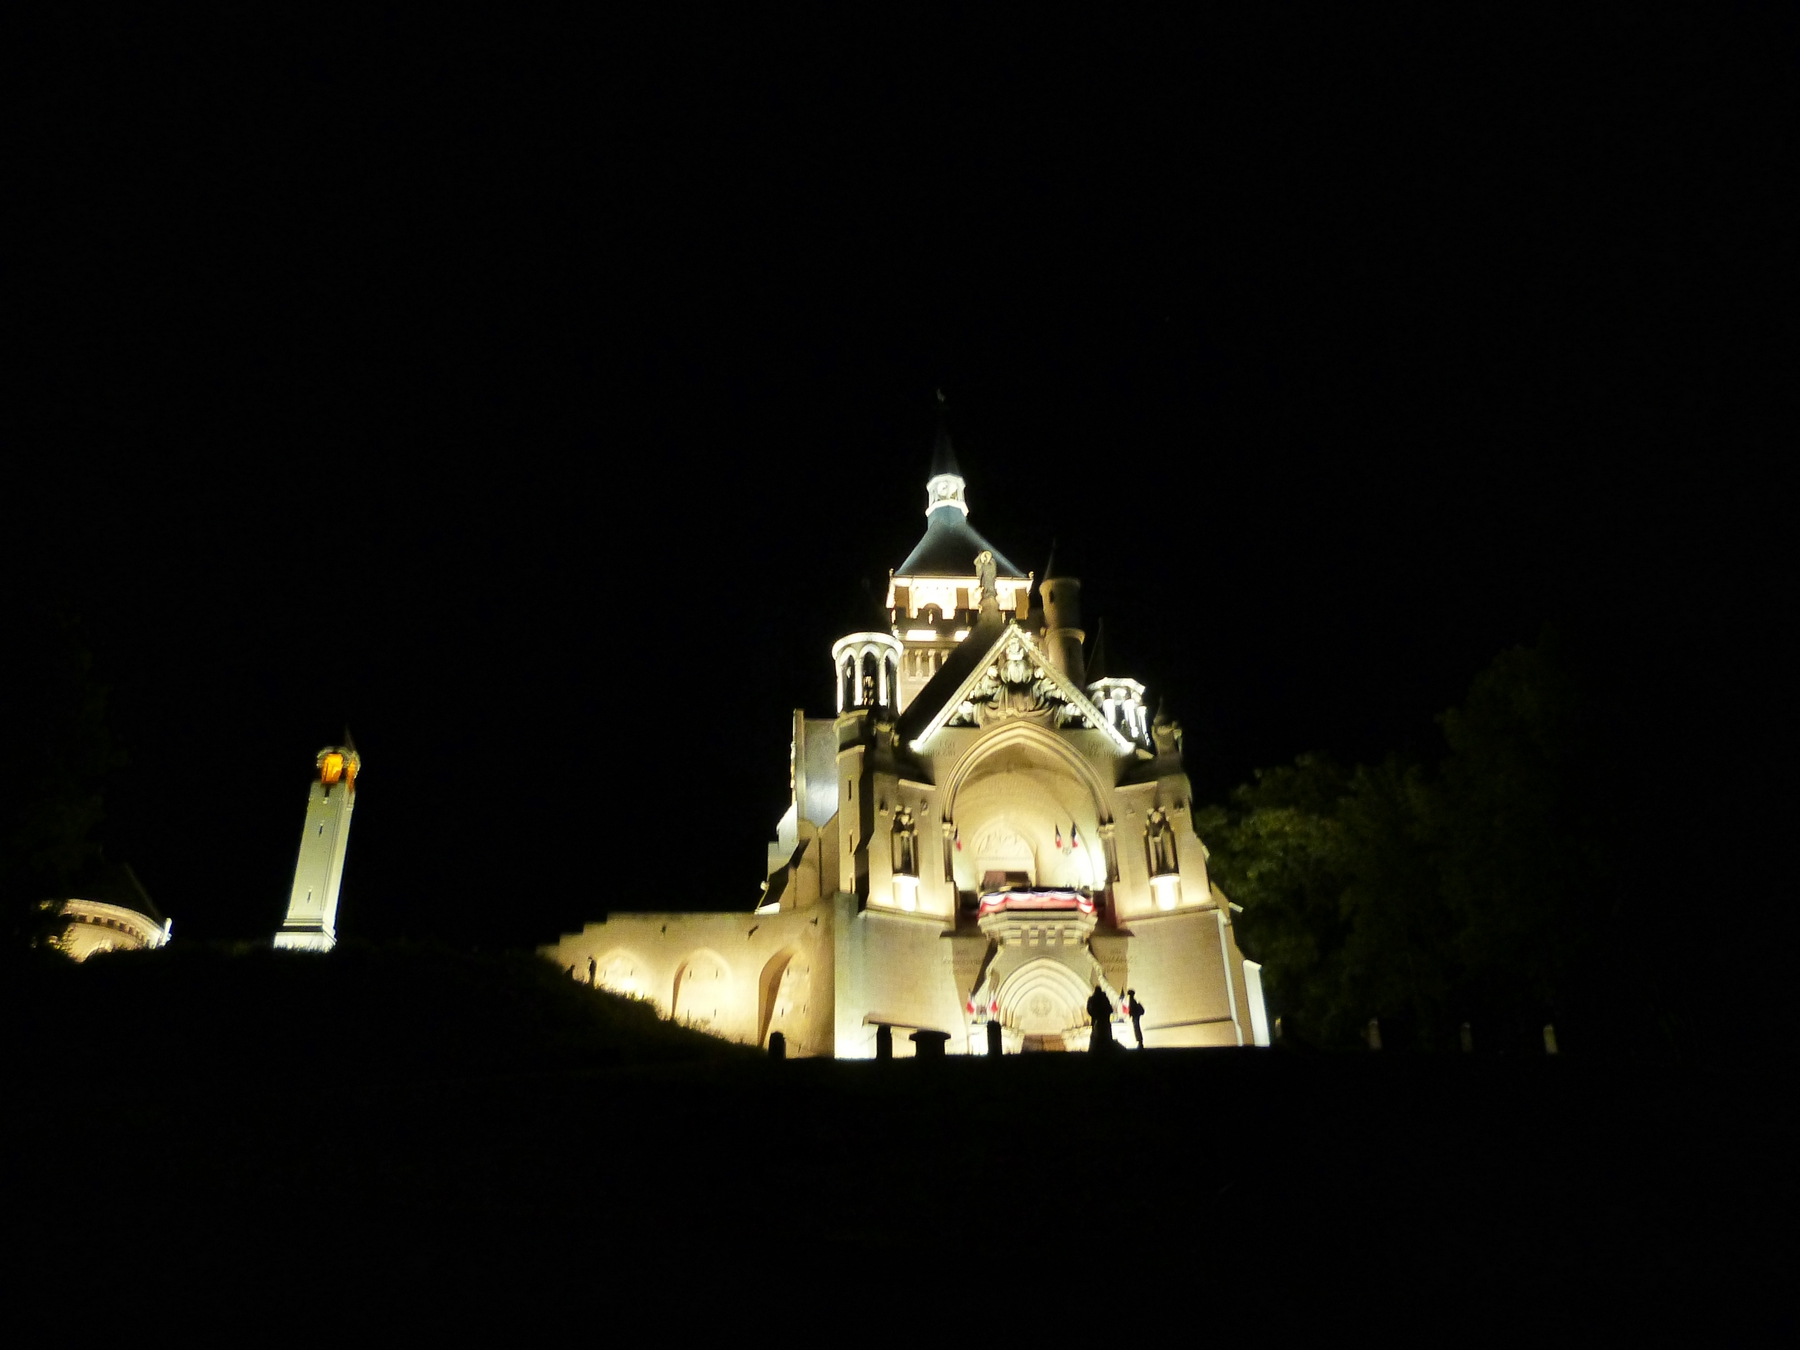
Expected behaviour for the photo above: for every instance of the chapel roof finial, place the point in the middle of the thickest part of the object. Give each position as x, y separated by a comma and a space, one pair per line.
949, 545
944, 486
943, 454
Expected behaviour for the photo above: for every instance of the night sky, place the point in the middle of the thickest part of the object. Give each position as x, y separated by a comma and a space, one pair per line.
536, 401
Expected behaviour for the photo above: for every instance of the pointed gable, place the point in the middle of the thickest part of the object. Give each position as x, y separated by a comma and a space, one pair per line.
1000, 672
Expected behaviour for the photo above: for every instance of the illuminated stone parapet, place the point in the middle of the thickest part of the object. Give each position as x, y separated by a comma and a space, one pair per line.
95, 926
738, 976
110, 913
311, 923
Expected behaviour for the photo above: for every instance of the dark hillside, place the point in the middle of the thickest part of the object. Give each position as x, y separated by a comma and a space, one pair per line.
484, 1141
386, 1013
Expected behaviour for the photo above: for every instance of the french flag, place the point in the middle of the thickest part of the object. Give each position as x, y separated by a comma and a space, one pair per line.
1059, 838
1074, 836
956, 838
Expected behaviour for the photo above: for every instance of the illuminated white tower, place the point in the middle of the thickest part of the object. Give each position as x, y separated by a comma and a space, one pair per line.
312, 907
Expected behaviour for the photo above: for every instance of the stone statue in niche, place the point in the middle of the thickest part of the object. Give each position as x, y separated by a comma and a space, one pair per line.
1159, 843
906, 858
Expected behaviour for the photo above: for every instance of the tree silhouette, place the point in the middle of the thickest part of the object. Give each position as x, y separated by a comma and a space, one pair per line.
1484, 888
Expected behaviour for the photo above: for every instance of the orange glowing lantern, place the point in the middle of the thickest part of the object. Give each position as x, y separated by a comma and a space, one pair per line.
331, 768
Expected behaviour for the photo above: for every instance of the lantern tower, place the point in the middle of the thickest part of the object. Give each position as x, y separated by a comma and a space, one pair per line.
311, 923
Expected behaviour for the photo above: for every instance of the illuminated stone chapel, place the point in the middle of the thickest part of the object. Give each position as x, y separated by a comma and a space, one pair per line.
983, 830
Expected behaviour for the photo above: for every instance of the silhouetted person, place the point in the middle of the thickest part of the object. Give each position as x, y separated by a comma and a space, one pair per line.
1136, 1010
1100, 1011
594, 971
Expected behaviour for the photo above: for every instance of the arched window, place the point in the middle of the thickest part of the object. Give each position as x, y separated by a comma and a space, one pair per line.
893, 681
847, 683
871, 678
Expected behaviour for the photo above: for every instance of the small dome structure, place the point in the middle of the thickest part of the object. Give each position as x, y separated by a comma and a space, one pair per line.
867, 658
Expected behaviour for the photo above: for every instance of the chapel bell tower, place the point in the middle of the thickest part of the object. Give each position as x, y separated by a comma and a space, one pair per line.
312, 905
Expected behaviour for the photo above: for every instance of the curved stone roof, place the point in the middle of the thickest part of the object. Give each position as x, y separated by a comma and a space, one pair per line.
949, 549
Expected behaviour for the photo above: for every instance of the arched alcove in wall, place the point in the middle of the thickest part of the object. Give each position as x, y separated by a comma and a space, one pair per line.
623, 971
702, 989
1022, 790
769, 989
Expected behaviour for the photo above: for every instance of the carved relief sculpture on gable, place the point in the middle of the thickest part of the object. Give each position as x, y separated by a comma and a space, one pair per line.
1016, 685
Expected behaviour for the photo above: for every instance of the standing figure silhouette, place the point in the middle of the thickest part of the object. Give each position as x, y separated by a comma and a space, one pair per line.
1100, 1011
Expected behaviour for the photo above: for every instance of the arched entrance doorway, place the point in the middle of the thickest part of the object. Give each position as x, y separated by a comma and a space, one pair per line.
1045, 1001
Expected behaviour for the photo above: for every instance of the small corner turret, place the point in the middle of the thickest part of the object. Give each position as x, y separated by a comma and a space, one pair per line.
1117, 696
867, 658
1063, 636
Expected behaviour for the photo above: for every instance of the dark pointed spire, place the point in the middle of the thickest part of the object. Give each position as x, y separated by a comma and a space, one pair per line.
1096, 662
943, 455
